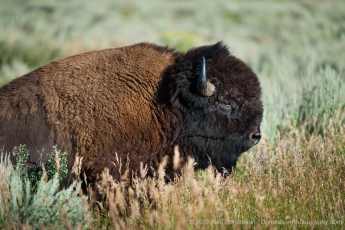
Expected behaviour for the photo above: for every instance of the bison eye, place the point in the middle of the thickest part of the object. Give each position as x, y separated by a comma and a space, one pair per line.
225, 106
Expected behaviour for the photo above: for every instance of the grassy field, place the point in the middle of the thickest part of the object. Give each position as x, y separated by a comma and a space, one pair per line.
294, 178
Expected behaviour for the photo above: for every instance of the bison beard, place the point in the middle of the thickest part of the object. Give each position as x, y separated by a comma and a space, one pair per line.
139, 102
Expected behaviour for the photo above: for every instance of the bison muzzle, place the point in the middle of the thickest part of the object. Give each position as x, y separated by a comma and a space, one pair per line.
138, 102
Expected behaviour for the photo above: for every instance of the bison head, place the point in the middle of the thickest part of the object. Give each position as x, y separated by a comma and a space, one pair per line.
216, 106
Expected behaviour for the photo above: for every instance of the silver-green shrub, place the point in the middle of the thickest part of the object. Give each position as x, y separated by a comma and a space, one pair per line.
46, 208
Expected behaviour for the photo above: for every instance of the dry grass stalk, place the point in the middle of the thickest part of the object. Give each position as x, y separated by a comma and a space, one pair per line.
77, 166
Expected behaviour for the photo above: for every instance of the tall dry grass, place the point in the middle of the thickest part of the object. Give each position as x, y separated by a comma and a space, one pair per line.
298, 183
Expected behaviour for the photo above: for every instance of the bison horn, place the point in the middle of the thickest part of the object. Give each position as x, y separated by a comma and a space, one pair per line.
204, 87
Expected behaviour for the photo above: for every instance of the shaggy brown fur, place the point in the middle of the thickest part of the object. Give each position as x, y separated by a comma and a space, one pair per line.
137, 101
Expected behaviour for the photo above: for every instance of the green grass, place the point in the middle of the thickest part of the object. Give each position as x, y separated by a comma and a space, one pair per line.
295, 47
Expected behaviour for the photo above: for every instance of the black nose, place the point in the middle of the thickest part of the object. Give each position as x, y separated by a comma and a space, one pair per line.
256, 137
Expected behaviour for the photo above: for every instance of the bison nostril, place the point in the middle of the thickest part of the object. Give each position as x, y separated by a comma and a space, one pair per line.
253, 139
256, 136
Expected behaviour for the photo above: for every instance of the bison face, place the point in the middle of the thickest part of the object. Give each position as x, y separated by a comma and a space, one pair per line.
221, 119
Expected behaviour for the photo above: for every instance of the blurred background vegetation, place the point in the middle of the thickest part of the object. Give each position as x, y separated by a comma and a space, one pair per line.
297, 48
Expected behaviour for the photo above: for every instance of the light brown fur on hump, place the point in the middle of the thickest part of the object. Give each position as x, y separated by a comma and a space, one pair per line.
103, 99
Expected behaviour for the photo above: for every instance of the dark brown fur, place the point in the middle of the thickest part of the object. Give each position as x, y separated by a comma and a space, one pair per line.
137, 101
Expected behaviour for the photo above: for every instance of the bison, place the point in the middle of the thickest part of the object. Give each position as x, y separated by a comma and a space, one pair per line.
137, 102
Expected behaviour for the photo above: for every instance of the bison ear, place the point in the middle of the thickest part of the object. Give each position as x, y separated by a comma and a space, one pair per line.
204, 87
